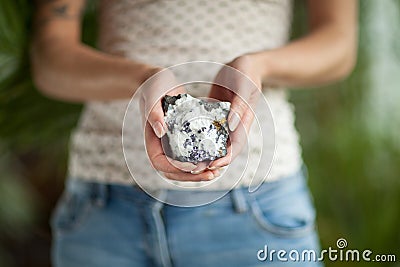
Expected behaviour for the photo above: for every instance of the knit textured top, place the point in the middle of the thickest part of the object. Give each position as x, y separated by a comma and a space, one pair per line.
169, 32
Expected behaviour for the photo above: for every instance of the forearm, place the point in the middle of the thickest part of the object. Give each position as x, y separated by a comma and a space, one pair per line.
316, 59
326, 54
74, 72
66, 69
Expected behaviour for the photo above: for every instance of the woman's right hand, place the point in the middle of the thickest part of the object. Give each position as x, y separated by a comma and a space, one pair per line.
151, 94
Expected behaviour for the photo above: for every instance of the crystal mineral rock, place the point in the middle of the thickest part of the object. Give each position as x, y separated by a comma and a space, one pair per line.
197, 129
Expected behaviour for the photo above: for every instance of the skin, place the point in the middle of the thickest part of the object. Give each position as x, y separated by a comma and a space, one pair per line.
65, 69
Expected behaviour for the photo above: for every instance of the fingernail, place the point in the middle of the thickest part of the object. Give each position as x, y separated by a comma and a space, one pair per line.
211, 168
201, 167
233, 121
187, 166
158, 129
196, 171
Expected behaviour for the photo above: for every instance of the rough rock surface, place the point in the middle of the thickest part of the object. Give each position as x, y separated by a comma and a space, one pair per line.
197, 129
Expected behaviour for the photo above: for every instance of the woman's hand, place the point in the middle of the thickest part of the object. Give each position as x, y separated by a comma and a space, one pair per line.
151, 93
238, 82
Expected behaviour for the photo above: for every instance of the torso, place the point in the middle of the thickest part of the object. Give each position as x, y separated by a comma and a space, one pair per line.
169, 32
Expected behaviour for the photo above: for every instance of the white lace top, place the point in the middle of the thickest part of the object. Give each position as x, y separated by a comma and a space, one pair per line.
168, 32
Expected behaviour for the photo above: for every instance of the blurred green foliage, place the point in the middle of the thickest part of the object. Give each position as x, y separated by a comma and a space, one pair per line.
349, 131
34, 133
351, 142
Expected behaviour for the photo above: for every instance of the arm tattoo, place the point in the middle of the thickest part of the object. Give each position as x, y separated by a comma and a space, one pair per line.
61, 10
57, 11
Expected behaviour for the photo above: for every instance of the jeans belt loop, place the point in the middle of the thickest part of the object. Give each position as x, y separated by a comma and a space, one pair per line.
239, 200
101, 194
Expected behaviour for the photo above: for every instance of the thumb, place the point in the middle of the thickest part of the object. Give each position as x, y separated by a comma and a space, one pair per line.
156, 114
238, 109
156, 120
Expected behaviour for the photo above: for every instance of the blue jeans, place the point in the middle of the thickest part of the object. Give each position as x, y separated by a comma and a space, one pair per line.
113, 225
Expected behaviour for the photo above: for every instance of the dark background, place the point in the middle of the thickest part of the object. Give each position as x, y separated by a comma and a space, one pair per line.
350, 135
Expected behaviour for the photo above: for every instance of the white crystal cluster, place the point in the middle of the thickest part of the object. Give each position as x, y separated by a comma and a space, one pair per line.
197, 129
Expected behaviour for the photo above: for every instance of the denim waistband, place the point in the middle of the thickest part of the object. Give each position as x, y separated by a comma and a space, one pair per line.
101, 192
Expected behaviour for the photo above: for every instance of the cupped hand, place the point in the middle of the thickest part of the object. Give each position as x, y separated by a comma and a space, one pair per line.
152, 92
238, 82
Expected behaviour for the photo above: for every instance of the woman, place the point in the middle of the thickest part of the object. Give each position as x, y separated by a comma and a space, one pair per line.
103, 220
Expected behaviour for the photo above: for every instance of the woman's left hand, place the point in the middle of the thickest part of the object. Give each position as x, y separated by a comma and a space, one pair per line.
243, 78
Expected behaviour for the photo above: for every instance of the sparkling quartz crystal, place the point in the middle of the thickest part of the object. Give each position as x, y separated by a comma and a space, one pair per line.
197, 129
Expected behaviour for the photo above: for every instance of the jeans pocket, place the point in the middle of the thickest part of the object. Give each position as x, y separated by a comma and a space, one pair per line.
287, 212
71, 211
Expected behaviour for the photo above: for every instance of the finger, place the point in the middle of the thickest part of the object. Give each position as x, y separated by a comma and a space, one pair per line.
211, 166
183, 166
157, 87
222, 162
156, 120
187, 177
238, 110
155, 113
161, 163
157, 157
247, 119
201, 166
